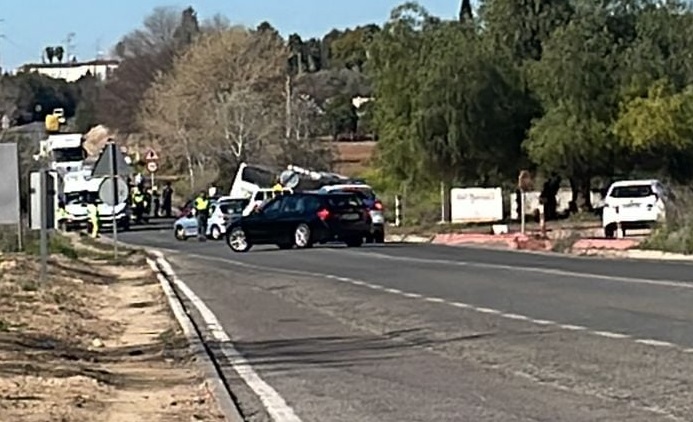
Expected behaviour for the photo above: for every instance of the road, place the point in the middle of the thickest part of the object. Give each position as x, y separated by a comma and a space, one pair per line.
431, 333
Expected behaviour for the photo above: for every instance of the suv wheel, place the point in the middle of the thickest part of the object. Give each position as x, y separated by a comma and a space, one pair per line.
237, 240
302, 237
215, 232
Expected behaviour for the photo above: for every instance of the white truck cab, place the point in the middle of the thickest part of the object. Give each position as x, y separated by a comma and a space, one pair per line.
65, 151
633, 204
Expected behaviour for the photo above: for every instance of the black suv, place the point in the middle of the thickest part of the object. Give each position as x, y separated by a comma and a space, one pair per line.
301, 220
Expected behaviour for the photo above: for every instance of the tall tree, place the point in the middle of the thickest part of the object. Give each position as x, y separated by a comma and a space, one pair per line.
466, 14
144, 53
522, 26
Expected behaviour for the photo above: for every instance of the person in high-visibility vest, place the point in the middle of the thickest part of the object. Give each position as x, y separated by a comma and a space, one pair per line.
94, 220
277, 189
63, 216
138, 203
201, 206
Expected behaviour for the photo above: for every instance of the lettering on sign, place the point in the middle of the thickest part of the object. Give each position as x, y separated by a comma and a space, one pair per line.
476, 205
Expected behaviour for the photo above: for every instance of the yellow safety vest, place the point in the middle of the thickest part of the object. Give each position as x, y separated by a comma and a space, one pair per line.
201, 204
63, 214
278, 187
93, 213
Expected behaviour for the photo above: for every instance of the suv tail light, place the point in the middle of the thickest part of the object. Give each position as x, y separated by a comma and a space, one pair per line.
378, 205
323, 214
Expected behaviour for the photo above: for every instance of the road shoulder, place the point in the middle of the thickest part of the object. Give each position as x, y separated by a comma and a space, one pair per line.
96, 342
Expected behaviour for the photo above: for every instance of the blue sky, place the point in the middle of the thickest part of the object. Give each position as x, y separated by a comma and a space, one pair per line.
29, 26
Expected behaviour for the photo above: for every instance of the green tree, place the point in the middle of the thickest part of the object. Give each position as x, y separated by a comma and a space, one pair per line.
523, 26
341, 117
350, 49
577, 83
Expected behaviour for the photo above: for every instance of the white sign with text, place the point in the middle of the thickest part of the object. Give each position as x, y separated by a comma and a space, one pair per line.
472, 205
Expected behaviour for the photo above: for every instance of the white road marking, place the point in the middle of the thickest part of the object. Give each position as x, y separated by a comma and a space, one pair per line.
393, 291
516, 316
549, 271
275, 404
487, 310
543, 322
571, 327
434, 299
609, 334
568, 327
657, 343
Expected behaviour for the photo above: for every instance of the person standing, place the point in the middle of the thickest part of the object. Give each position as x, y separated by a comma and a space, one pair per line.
201, 206
63, 217
94, 220
167, 199
138, 202
156, 201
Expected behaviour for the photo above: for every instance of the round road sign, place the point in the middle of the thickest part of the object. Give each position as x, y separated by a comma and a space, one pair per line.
152, 166
106, 191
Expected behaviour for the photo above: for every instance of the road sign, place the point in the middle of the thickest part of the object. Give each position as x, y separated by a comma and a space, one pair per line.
152, 167
106, 191
151, 156
102, 168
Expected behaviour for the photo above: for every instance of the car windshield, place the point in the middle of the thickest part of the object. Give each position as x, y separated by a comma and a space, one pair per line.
72, 198
635, 191
63, 155
233, 206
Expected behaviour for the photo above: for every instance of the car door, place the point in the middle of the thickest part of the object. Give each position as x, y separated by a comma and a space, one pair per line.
261, 225
293, 213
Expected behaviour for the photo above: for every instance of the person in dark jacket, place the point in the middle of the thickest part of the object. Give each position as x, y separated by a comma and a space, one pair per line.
167, 197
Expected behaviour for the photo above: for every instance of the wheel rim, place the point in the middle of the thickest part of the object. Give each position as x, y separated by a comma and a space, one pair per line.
180, 233
302, 235
216, 233
237, 240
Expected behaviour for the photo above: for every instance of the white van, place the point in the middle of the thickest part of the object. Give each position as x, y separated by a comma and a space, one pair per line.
634, 204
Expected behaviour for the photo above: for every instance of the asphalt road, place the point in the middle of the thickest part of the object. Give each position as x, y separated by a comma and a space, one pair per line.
431, 333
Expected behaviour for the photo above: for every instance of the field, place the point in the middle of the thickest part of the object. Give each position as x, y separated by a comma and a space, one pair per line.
352, 158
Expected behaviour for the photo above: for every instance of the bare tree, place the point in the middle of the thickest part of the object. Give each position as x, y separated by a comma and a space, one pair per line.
156, 35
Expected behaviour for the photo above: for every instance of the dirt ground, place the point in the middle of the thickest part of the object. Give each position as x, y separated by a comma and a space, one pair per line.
95, 343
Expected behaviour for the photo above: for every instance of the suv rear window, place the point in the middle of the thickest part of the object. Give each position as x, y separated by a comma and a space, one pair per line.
344, 201
636, 191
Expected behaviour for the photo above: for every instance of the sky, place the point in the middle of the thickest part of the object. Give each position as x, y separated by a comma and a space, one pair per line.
27, 27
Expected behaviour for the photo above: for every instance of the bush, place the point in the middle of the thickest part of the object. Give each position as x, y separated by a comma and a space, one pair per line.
676, 233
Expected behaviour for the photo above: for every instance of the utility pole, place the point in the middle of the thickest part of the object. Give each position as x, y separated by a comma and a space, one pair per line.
289, 94
2, 37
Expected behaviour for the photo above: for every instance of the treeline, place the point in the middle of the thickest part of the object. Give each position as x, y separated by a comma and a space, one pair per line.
588, 90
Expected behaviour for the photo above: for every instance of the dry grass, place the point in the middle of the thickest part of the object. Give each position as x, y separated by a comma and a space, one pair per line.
96, 342
352, 158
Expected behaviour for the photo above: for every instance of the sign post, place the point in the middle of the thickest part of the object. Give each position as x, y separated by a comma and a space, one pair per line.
43, 243
152, 159
524, 183
112, 163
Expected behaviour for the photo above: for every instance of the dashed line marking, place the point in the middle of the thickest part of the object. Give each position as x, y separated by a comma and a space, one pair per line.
434, 300
609, 334
516, 317
487, 310
571, 327
656, 343
461, 305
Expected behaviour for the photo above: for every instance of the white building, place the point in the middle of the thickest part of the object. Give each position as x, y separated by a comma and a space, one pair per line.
72, 71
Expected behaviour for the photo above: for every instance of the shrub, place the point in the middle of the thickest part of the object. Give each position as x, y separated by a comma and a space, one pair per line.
676, 233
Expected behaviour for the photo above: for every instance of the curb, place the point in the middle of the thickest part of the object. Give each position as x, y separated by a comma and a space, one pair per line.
226, 403
634, 254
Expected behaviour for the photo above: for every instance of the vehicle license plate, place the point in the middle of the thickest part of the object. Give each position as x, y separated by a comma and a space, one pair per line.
350, 217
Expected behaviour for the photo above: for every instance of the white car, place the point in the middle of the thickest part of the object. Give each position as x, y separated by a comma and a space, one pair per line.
633, 204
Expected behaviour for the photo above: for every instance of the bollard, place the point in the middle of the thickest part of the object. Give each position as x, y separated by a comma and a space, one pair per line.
542, 221
398, 210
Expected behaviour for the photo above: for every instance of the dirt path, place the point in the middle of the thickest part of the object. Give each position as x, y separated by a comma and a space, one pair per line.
95, 343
